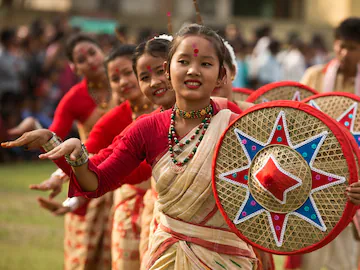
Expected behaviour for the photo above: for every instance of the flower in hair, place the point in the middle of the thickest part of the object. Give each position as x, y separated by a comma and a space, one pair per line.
163, 36
232, 54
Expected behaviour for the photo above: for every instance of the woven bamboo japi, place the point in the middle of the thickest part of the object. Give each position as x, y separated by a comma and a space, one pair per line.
333, 158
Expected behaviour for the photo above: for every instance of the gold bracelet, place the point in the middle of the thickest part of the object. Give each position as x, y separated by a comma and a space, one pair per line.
81, 160
52, 143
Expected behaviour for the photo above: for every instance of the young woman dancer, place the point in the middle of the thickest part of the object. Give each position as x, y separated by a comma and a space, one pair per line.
180, 149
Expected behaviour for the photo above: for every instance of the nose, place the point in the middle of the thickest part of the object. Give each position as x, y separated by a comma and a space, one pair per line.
193, 70
123, 81
154, 81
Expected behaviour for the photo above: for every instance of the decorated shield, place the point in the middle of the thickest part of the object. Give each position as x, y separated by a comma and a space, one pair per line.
285, 90
241, 94
279, 177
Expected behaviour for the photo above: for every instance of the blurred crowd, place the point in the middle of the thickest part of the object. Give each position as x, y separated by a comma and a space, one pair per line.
35, 74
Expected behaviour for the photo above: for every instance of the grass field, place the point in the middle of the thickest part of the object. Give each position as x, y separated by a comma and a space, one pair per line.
31, 238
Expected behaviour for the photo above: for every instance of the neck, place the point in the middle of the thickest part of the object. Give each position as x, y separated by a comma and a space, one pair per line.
138, 102
192, 105
100, 80
169, 105
349, 72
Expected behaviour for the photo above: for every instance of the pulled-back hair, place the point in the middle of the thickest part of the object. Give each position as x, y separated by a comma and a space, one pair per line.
156, 47
198, 30
349, 29
124, 50
75, 39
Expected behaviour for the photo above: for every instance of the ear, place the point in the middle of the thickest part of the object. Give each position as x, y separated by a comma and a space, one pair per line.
222, 77
167, 72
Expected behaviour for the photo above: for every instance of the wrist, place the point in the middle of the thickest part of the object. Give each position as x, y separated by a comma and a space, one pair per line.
73, 203
53, 142
80, 160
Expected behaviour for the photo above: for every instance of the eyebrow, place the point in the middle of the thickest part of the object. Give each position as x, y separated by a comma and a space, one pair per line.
145, 72
201, 56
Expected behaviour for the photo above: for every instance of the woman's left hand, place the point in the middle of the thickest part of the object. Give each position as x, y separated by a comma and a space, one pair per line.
54, 207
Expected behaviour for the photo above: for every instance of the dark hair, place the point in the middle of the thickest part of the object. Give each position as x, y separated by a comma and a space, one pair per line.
75, 39
124, 50
158, 47
7, 36
349, 29
198, 30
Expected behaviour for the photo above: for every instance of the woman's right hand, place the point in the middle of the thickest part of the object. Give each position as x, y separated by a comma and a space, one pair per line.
30, 140
28, 124
54, 183
70, 147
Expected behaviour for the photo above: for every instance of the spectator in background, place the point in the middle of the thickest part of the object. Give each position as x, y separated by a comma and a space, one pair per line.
320, 54
292, 59
12, 68
270, 69
241, 79
260, 52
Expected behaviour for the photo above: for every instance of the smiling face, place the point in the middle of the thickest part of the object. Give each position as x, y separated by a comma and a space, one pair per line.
152, 80
194, 70
122, 79
88, 60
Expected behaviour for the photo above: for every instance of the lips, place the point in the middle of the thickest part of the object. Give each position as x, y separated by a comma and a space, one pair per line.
160, 92
125, 90
94, 68
193, 84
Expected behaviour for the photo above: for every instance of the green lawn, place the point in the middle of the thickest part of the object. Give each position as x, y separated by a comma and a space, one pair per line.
31, 238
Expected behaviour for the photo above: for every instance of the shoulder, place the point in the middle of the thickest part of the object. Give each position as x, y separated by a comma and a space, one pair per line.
315, 70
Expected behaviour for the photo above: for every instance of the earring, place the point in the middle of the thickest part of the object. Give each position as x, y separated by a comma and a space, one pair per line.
168, 76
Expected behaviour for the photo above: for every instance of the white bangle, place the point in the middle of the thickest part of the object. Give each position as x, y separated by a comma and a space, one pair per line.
58, 173
72, 203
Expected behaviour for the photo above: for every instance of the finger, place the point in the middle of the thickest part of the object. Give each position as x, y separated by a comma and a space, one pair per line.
356, 184
42, 186
15, 131
49, 204
75, 154
354, 201
62, 211
54, 193
50, 154
23, 140
353, 189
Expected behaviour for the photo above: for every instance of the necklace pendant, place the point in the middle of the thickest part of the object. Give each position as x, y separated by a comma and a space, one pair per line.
177, 150
175, 168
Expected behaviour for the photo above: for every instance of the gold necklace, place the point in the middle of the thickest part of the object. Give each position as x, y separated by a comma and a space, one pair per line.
92, 89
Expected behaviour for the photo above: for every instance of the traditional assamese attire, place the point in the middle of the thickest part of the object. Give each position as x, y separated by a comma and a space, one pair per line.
192, 234
87, 231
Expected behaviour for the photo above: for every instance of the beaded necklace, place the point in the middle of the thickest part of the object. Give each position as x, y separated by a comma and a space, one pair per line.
180, 165
193, 114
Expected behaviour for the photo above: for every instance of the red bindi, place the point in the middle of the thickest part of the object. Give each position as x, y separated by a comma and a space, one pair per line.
149, 68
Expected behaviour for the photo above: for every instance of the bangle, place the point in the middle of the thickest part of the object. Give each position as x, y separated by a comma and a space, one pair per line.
72, 203
58, 173
81, 160
52, 143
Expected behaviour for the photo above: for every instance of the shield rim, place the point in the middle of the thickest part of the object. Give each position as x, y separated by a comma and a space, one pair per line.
262, 90
347, 149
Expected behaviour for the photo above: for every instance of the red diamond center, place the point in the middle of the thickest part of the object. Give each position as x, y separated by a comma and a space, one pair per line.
274, 180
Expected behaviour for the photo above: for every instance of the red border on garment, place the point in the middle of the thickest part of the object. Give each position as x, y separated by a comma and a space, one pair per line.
347, 149
268, 87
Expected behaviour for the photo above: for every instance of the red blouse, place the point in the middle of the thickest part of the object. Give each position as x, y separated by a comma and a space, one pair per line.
146, 140
76, 105
108, 127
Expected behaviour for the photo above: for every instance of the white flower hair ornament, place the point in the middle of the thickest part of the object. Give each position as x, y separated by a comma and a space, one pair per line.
232, 55
163, 36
